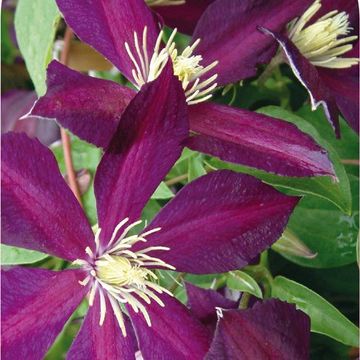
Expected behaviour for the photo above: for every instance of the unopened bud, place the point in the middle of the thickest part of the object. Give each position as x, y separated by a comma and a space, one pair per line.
290, 244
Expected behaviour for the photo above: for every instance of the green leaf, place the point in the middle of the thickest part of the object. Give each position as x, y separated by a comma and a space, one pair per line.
326, 231
35, 25
241, 281
162, 192
325, 318
196, 167
11, 255
322, 186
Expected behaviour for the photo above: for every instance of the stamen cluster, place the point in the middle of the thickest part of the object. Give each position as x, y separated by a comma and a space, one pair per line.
123, 275
186, 66
323, 41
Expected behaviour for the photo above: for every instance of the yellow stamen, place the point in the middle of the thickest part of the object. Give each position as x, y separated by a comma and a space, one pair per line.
187, 67
122, 275
319, 42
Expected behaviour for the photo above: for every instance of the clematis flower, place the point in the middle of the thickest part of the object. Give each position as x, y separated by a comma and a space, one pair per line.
322, 49
127, 34
217, 223
268, 330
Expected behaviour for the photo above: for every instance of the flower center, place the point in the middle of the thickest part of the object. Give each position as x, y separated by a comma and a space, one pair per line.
122, 275
186, 66
325, 40
164, 2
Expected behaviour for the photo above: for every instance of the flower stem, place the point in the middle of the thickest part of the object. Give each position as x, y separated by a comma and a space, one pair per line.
275, 62
244, 300
65, 138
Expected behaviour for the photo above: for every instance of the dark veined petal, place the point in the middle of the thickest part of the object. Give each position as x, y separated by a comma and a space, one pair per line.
97, 342
344, 85
107, 24
145, 146
219, 223
309, 77
15, 104
272, 330
228, 33
174, 333
247, 138
204, 302
90, 108
35, 306
39, 211
183, 17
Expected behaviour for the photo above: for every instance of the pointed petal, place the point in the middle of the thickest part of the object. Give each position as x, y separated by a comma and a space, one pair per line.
228, 33
203, 304
90, 108
272, 330
107, 24
219, 223
97, 342
36, 304
344, 85
247, 138
174, 333
39, 211
183, 17
147, 143
309, 77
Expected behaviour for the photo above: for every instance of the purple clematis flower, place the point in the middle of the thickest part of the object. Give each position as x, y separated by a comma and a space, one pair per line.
268, 330
322, 49
127, 33
215, 224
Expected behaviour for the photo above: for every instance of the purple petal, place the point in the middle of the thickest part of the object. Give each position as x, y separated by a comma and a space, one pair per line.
15, 104
219, 223
107, 24
39, 211
90, 108
147, 143
344, 85
97, 342
228, 34
183, 17
203, 304
174, 333
36, 304
256, 140
272, 330
309, 77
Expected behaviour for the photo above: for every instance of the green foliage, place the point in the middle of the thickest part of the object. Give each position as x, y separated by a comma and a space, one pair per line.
325, 318
35, 24
11, 255
241, 281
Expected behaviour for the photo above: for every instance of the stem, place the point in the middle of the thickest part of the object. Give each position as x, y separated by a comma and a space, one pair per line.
65, 138
350, 162
178, 278
275, 62
244, 301
176, 179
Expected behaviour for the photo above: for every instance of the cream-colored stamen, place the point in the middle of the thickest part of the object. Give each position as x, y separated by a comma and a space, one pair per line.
325, 40
122, 275
186, 66
164, 2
